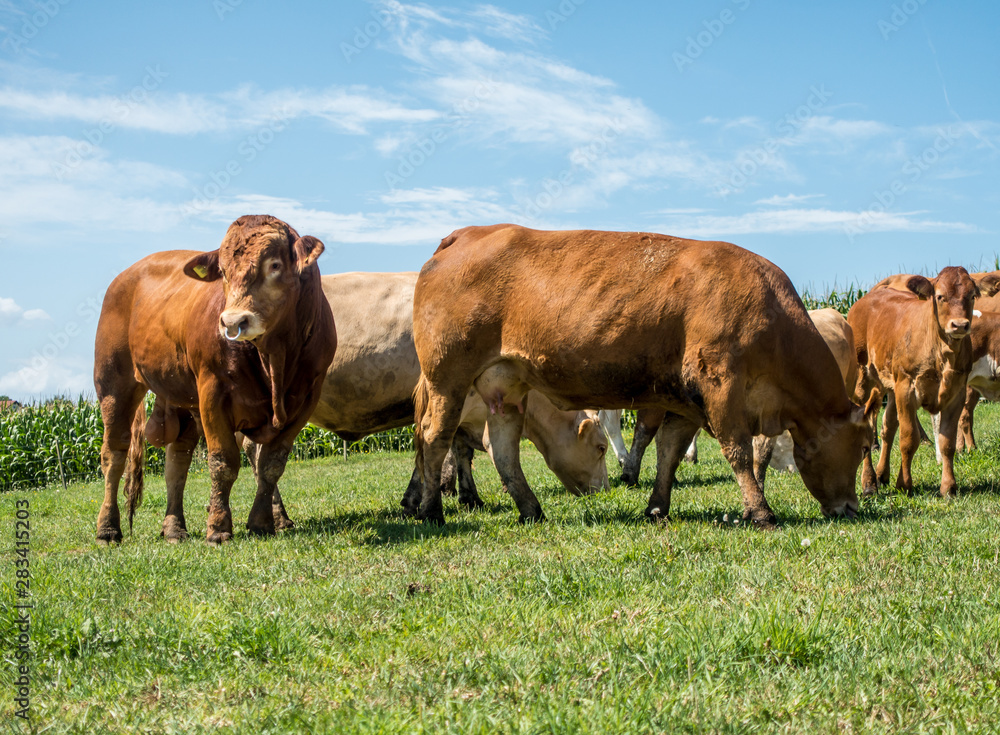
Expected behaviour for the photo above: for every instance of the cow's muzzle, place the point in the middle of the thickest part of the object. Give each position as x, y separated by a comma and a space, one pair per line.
958, 328
236, 325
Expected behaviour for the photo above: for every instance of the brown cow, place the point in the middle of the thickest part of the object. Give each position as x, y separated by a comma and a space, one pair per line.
778, 451
708, 338
915, 346
989, 300
234, 340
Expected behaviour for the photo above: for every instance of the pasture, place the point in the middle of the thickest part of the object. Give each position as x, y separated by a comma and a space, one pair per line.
361, 620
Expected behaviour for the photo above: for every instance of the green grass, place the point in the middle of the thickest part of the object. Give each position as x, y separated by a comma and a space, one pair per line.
360, 620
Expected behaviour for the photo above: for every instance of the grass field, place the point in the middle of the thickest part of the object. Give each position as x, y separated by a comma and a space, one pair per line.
360, 620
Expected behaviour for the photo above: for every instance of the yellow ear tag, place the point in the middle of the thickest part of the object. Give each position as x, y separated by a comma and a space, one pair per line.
201, 271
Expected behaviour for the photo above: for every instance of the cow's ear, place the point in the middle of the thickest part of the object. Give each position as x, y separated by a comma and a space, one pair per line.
988, 284
921, 286
305, 251
204, 267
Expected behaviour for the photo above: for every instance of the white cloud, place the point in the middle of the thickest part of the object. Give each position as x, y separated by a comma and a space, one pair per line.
11, 313
49, 378
799, 221
787, 200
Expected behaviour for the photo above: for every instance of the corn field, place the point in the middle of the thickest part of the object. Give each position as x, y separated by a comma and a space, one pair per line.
59, 442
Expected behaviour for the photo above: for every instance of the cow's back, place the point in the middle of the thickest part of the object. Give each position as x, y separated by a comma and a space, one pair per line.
369, 386
839, 337
612, 318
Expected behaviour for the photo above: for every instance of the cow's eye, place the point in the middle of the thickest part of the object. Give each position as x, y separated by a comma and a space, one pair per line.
940, 297
275, 267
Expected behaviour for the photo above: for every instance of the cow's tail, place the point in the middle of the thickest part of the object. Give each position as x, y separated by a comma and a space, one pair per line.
134, 480
421, 397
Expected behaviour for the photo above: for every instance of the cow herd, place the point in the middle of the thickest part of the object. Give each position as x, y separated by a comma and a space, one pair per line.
509, 332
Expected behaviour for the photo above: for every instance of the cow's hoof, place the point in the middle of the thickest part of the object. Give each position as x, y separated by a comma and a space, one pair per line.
218, 538
109, 537
434, 517
527, 519
869, 491
267, 530
472, 503
629, 480
763, 521
283, 523
948, 493
409, 512
175, 536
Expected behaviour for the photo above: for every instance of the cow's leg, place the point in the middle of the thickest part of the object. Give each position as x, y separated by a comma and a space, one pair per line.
175, 471
505, 427
965, 440
763, 448
438, 425
223, 464
270, 466
449, 473
411, 496
463, 451
647, 423
890, 423
691, 455
672, 439
739, 451
118, 410
946, 439
909, 437
869, 479
281, 520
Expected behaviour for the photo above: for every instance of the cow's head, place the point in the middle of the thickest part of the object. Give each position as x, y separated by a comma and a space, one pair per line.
262, 262
578, 459
953, 294
828, 455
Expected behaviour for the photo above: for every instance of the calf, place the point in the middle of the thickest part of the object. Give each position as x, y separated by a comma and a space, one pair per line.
914, 346
708, 339
234, 340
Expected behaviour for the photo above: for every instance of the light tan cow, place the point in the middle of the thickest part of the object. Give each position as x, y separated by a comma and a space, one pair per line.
369, 387
709, 338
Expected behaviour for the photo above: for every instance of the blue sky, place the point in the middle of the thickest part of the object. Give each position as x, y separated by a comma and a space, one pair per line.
843, 141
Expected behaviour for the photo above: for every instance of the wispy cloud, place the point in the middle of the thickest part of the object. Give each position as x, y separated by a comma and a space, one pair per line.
12, 313
787, 200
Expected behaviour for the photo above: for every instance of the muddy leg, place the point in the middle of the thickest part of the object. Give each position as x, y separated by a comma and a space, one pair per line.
449, 473
438, 426
672, 439
118, 411
739, 451
270, 465
468, 494
647, 423
175, 471
763, 448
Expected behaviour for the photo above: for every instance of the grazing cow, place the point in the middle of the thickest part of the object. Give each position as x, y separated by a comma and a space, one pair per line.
369, 388
707, 338
234, 340
915, 346
777, 452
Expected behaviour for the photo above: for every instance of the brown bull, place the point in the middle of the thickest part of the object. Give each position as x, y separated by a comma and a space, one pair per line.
708, 338
234, 340
915, 347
